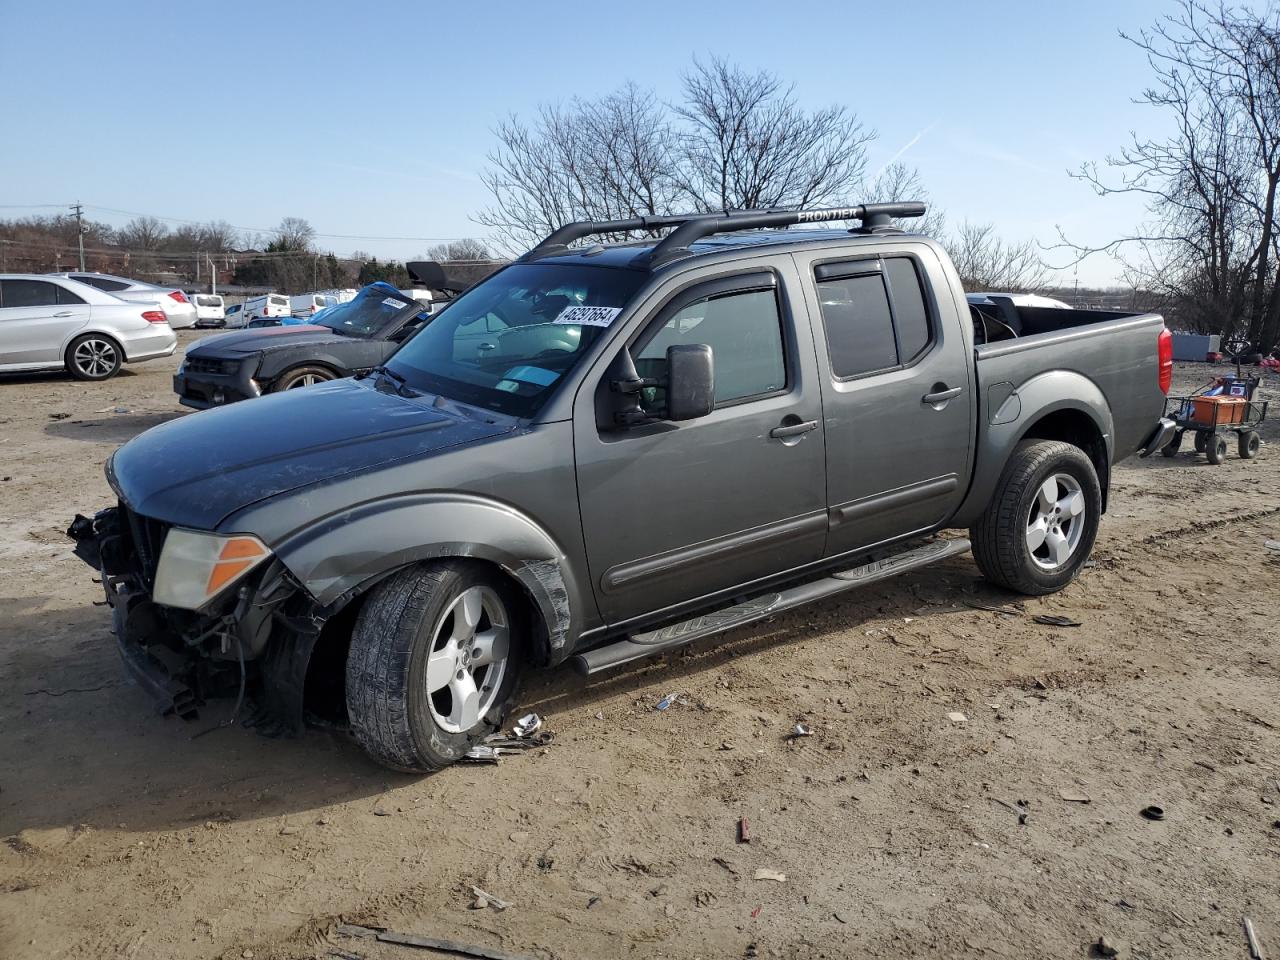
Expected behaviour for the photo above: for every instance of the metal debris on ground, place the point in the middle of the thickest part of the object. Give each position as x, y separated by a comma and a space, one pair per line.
383, 935
1255, 946
957, 717
1273, 545
991, 608
800, 730
666, 701
1074, 796
764, 873
744, 830
527, 725
498, 745
1105, 948
1153, 813
1054, 620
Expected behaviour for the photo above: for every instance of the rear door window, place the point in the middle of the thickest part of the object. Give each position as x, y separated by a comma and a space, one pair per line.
858, 324
67, 296
28, 293
874, 315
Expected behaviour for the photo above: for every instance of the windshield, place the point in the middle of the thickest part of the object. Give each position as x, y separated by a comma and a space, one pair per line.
508, 341
371, 312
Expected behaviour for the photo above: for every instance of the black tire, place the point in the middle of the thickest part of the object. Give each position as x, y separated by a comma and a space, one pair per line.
1248, 444
1202, 441
1000, 537
1171, 448
93, 356
393, 715
1216, 449
302, 377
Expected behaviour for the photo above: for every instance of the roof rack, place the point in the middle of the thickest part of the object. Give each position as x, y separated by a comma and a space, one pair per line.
691, 227
873, 217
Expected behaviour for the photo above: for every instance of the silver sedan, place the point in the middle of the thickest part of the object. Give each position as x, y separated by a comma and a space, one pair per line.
175, 304
50, 322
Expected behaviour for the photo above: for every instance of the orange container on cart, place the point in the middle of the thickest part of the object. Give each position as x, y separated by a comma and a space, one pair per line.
1228, 410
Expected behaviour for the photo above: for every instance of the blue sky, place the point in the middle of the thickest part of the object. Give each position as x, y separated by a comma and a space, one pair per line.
374, 119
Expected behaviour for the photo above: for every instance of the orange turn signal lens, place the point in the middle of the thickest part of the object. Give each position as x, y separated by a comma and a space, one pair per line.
237, 556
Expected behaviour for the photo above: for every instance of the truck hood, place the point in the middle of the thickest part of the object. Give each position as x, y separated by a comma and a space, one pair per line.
244, 343
197, 470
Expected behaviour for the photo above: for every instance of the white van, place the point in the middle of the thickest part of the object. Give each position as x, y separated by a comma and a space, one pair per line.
272, 305
308, 304
210, 311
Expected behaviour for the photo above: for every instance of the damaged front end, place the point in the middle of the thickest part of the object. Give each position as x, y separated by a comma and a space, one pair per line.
249, 634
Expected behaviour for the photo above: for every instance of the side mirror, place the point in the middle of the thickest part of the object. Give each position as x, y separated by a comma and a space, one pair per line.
691, 381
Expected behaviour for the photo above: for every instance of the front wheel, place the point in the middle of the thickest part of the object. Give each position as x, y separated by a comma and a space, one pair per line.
435, 658
301, 377
1216, 449
1040, 526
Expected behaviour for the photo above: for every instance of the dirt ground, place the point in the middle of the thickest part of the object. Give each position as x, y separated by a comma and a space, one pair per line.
900, 832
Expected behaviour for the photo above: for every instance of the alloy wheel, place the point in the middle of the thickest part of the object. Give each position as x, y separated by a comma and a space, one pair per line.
1056, 521
468, 659
95, 358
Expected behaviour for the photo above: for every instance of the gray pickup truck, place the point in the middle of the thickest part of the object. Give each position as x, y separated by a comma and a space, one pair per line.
605, 451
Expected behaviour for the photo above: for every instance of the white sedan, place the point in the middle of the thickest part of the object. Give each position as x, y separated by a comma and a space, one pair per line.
175, 304
51, 322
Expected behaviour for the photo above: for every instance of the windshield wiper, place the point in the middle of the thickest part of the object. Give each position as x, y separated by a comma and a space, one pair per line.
399, 384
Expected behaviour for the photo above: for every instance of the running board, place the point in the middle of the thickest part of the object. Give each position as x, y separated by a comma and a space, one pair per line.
640, 645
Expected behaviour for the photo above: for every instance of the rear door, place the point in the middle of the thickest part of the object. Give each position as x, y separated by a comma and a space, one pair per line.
897, 392
37, 318
675, 512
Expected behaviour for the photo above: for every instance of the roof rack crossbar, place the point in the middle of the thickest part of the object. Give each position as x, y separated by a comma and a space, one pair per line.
558, 240
874, 217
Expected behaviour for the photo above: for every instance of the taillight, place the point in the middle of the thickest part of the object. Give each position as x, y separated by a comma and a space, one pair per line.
154, 316
1166, 360
178, 295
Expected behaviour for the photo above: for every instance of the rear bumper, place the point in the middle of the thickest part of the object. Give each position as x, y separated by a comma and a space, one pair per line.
1160, 437
150, 345
181, 315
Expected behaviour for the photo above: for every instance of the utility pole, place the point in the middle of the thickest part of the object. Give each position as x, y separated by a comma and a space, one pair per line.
78, 209
213, 275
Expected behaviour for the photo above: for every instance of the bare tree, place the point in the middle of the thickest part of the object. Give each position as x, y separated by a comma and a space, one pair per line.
736, 139
1211, 243
987, 262
898, 182
747, 143
605, 159
294, 233
144, 233
218, 236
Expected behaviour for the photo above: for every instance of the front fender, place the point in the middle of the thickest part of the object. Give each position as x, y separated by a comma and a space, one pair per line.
1007, 416
345, 553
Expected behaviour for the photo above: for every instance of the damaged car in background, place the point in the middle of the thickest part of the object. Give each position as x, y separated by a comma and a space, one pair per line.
600, 453
345, 339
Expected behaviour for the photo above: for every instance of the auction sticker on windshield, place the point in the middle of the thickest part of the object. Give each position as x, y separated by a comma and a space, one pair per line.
588, 316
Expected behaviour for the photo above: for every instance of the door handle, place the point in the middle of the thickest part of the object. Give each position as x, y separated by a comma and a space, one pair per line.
64, 313
793, 429
941, 396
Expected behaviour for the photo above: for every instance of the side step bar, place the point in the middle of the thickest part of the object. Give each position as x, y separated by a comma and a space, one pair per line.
641, 645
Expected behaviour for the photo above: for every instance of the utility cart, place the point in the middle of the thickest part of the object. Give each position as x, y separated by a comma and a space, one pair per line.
1224, 405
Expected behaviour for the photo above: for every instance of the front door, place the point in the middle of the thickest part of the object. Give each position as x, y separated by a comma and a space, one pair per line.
897, 393
675, 512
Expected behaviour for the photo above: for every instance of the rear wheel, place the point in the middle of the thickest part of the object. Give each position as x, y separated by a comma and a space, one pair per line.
1041, 523
1216, 449
94, 357
1249, 443
1202, 441
1171, 448
301, 377
435, 659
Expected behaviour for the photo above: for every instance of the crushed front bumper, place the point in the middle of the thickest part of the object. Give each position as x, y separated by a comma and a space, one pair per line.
259, 635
